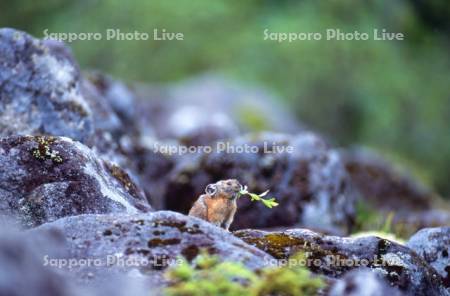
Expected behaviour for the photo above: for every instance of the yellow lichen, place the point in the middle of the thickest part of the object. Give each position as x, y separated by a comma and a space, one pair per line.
44, 150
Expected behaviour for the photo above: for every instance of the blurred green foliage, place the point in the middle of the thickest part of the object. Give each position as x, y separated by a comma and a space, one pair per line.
393, 96
208, 276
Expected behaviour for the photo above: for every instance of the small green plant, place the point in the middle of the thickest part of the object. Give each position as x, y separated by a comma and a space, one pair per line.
294, 280
207, 276
268, 202
387, 225
370, 222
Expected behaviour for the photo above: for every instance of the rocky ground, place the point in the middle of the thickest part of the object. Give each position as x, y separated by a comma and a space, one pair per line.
83, 192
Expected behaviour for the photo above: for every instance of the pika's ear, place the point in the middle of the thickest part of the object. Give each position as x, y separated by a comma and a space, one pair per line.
211, 189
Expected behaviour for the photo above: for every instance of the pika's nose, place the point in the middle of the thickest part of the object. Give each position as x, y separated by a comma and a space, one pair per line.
237, 187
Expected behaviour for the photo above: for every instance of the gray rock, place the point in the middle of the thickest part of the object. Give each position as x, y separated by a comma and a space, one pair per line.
334, 256
104, 117
144, 245
408, 223
433, 245
40, 89
251, 108
109, 129
43, 93
32, 263
362, 282
208, 108
190, 125
116, 137
121, 98
22, 265
46, 178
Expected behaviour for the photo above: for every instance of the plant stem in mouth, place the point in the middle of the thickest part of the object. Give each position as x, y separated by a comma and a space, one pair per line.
270, 202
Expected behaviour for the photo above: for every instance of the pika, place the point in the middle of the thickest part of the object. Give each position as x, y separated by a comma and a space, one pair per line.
218, 204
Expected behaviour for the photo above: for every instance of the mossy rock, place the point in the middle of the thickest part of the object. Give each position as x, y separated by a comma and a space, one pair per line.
43, 178
334, 256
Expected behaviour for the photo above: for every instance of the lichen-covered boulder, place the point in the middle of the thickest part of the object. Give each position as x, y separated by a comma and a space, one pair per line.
46, 178
334, 256
40, 89
307, 179
362, 282
433, 245
44, 93
383, 185
146, 244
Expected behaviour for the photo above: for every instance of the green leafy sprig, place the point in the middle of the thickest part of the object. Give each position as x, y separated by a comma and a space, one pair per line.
268, 202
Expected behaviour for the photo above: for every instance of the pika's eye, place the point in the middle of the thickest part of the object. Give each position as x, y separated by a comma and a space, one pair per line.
211, 189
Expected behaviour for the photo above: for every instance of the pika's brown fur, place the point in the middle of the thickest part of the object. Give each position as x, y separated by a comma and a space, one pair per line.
218, 204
